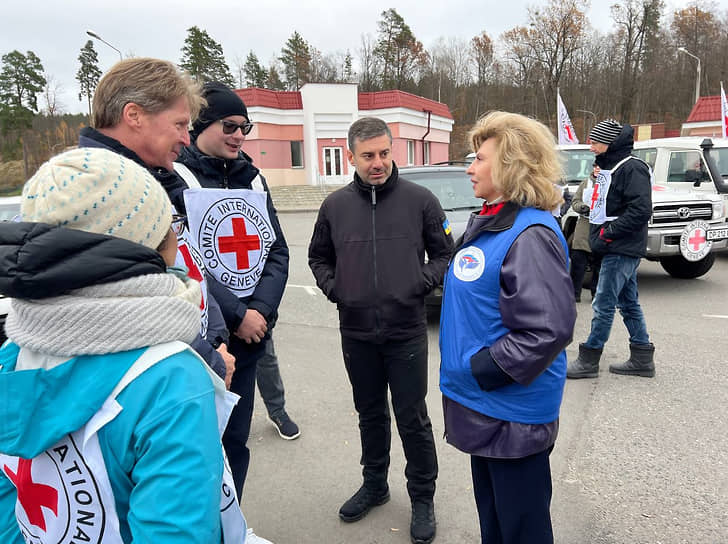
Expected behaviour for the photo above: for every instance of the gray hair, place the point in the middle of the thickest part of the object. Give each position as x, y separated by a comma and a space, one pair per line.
367, 128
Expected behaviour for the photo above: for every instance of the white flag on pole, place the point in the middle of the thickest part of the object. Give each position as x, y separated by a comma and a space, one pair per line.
723, 112
567, 134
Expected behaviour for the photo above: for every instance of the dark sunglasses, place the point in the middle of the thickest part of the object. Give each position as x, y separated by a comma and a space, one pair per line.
228, 127
179, 222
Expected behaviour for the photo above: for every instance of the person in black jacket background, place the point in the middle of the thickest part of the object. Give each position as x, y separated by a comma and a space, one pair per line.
367, 254
621, 207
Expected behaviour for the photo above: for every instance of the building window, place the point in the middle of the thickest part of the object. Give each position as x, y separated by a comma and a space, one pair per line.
410, 151
297, 154
426, 153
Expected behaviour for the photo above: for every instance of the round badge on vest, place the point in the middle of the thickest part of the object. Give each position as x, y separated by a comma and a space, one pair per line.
469, 263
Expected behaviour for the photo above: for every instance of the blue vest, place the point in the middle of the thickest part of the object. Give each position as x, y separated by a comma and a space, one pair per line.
471, 320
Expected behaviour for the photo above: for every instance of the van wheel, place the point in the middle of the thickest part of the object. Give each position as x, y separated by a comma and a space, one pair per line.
678, 267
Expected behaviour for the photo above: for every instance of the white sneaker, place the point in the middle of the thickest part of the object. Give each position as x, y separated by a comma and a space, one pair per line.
252, 538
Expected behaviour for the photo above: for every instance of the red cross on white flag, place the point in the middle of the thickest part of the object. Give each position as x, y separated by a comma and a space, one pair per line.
567, 134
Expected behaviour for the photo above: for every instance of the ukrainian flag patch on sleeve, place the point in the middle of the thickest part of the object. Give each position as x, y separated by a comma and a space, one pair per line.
446, 226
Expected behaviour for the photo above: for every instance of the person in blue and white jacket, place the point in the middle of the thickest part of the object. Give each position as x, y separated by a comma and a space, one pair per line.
508, 312
110, 431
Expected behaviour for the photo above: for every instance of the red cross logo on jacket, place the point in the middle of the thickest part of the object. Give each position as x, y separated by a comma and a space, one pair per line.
33, 496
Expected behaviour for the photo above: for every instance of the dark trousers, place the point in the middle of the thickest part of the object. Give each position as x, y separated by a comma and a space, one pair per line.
579, 261
270, 384
401, 366
513, 497
238, 428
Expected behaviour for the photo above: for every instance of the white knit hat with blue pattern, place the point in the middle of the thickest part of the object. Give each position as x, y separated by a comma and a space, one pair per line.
97, 190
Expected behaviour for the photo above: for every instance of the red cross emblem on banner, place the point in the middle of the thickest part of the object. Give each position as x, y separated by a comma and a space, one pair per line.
697, 239
569, 135
31, 495
239, 243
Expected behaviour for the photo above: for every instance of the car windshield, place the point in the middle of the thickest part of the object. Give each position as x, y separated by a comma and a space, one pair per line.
452, 188
577, 164
9, 211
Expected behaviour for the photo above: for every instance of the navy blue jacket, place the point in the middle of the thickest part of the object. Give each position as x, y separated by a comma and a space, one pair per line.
629, 199
173, 184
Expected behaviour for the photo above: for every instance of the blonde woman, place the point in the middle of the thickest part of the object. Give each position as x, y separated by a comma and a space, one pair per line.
508, 313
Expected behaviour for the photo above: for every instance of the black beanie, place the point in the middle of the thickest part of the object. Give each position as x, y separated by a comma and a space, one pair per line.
221, 102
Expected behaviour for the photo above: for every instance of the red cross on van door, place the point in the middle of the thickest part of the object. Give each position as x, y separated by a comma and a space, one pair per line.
240, 243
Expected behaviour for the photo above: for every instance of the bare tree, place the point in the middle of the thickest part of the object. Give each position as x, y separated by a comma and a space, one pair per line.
53, 106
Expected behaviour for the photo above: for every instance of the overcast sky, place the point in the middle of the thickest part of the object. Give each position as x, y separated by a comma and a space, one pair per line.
55, 30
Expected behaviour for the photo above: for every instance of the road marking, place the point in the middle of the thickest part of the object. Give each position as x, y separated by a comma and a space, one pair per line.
716, 316
310, 289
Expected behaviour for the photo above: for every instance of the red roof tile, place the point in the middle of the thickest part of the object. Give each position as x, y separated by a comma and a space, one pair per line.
401, 99
291, 100
707, 108
281, 100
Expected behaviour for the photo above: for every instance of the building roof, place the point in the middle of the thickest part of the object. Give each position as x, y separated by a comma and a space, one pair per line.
400, 99
281, 100
291, 100
707, 108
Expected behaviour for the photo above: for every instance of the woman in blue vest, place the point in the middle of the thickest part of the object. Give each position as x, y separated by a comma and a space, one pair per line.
508, 312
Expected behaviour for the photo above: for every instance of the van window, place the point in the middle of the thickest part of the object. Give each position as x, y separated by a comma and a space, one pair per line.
648, 154
686, 166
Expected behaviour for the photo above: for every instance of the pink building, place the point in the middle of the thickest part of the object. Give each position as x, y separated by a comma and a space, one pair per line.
299, 137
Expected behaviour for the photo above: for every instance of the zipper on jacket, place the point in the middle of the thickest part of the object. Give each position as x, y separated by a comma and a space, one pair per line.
374, 252
225, 182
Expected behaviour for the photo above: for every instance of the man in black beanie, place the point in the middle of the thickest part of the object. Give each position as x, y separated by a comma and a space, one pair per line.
214, 160
621, 207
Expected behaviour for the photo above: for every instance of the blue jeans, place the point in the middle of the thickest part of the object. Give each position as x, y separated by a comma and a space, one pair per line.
617, 288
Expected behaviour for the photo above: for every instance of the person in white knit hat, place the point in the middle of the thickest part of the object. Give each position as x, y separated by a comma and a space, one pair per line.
110, 428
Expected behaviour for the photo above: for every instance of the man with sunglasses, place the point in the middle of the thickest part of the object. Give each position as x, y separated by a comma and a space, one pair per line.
215, 160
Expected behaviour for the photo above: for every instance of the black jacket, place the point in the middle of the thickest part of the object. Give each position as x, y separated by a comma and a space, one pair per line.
217, 173
367, 254
39, 261
629, 199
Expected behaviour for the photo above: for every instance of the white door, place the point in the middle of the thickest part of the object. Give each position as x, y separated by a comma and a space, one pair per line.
333, 171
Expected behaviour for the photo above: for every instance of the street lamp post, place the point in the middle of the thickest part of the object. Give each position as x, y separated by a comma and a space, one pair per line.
96, 36
586, 132
697, 80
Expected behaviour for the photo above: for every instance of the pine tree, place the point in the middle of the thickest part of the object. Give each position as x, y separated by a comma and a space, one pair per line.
203, 58
296, 59
21, 79
255, 74
88, 74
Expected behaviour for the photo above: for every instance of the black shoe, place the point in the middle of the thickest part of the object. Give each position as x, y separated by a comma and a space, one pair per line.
577, 298
287, 429
363, 500
423, 526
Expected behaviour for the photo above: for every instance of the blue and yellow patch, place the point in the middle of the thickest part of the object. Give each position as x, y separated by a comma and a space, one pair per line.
446, 226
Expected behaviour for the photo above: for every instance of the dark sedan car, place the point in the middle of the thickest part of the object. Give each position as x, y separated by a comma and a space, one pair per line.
452, 187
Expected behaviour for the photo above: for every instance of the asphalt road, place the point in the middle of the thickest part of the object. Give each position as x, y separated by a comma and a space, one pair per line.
637, 460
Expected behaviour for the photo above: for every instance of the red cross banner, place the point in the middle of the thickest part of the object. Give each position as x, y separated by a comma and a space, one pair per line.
567, 134
232, 232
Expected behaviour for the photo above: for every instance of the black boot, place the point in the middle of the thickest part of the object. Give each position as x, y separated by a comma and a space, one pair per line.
640, 363
586, 365
423, 525
362, 501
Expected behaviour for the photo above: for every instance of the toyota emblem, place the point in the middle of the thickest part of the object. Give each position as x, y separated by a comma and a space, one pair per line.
683, 212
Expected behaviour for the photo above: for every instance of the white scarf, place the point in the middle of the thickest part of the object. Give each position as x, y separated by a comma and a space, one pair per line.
108, 318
